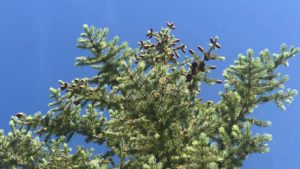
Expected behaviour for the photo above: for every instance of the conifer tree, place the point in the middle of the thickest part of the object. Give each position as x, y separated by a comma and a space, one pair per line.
156, 117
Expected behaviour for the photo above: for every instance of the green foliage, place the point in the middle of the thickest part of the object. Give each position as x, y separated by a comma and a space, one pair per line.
156, 119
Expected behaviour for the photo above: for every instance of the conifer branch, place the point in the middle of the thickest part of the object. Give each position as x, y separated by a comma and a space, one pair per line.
155, 119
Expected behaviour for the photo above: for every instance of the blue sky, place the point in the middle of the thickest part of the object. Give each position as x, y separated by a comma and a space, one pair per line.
38, 48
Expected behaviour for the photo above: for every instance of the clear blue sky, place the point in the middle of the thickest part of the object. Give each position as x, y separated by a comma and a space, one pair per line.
38, 48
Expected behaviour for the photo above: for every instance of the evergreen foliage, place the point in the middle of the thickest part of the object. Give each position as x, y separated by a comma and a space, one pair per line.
156, 118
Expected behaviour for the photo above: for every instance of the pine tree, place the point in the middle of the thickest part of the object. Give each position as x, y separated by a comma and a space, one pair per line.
156, 119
